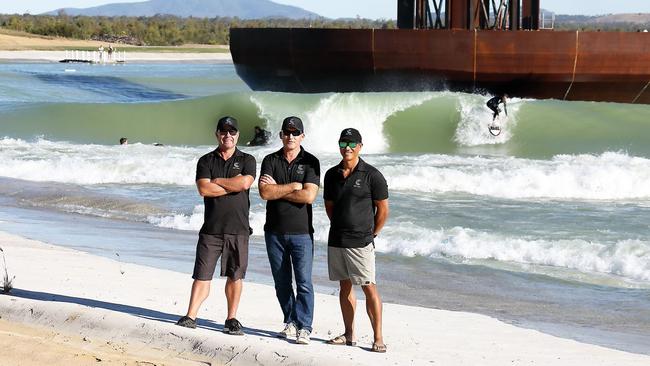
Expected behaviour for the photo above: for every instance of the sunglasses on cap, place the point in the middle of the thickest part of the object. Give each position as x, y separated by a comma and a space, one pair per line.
230, 132
291, 132
344, 144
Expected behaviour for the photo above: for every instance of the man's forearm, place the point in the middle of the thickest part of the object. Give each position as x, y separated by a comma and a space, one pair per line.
276, 191
301, 196
234, 184
380, 220
381, 215
210, 189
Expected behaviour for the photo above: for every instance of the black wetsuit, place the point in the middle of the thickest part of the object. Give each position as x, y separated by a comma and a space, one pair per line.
493, 104
261, 138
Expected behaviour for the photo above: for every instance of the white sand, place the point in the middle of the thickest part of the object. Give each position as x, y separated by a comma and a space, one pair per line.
55, 56
134, 306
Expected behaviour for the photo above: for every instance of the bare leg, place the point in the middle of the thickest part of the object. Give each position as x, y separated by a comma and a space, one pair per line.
233, 294
374, 309
200, 292
348, 303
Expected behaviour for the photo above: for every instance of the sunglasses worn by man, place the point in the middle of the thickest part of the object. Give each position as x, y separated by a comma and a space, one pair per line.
295, 133
229, 132
344, 144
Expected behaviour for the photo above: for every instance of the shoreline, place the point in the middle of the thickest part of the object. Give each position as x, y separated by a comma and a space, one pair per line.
139, 57
85, 296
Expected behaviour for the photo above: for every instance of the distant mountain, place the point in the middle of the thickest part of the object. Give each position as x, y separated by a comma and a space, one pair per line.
245, 9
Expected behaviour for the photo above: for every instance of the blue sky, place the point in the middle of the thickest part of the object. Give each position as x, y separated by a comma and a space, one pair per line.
373, 9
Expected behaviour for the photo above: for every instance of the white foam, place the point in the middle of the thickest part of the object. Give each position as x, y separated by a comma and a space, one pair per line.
609, 176
257, 218
191, 222
324, 121
626, 258
475, 117
98, 164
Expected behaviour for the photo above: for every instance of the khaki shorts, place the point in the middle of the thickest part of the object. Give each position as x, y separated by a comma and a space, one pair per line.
354, 264
233, 250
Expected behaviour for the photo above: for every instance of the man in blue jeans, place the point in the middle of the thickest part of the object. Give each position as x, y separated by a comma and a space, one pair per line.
289, 181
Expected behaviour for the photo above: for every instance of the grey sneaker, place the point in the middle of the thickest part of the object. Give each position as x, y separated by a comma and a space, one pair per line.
303, 336
186, 322
288, 331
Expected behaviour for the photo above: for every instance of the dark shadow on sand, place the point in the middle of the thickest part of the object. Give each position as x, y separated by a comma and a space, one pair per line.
128, 309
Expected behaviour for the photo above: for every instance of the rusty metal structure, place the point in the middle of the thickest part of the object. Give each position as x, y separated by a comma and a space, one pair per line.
475, 46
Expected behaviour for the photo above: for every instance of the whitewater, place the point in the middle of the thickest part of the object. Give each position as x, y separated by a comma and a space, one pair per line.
506, 226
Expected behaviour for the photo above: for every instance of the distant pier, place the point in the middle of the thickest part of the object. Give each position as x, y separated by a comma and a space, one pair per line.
94, 57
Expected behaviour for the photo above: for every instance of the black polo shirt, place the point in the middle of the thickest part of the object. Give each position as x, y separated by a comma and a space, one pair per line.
227, 214
353, 219
282, 216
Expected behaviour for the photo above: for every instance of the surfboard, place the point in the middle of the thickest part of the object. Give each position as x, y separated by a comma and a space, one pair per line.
494, 129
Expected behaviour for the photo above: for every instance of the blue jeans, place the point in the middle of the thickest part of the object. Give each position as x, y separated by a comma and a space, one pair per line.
284, 252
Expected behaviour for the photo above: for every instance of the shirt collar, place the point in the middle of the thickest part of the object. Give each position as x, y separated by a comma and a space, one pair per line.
362, 166
236, 153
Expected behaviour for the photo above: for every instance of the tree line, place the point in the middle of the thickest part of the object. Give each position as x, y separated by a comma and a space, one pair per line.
164, 30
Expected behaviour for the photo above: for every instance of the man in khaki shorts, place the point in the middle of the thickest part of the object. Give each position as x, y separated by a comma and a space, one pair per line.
223, 178
356, 201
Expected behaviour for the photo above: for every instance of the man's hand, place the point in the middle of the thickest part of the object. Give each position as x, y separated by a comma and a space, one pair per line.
267, 179
271, 190
296, 186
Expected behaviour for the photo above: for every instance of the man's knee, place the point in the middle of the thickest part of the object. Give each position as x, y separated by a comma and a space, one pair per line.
345, 285
370, 290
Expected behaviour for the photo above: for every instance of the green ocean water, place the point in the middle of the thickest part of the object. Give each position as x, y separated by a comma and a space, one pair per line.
432, 125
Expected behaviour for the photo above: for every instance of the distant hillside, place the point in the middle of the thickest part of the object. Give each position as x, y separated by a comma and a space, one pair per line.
613, 22
638, 18
244, 9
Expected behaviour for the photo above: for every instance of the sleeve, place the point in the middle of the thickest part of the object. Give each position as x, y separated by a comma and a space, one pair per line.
267, 166
328, 195
378, 186
203, 168
249, 166
312, 173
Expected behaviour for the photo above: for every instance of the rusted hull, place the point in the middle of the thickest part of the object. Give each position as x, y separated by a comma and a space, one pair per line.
589, 66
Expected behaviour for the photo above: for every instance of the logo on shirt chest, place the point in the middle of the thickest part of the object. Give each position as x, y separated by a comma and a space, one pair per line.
357, 184
236, 166
300, 169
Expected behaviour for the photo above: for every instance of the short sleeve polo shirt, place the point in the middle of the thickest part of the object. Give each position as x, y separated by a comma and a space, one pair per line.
226, 214
282, 216
353, 219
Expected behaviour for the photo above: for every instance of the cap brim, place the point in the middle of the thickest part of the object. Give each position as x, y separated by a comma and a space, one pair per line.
349, 139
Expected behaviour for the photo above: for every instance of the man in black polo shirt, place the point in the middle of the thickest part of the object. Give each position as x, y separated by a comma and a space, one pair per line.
223, 178
356, 202
289, 181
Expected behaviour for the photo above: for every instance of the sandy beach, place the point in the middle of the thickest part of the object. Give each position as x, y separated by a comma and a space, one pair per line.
83, 308
34, 48
131, 56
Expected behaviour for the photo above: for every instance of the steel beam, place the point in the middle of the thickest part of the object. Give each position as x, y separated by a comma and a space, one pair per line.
515, 14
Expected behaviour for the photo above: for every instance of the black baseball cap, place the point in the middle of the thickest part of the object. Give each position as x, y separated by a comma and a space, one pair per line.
227, 121
293, 122
350, 135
